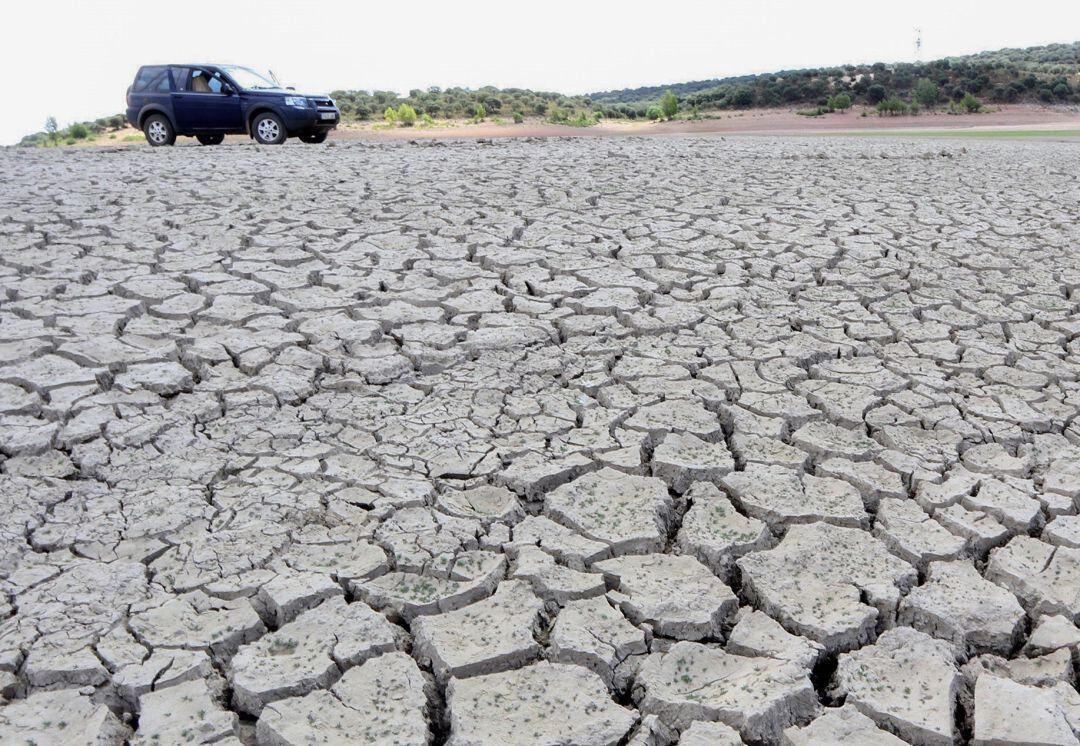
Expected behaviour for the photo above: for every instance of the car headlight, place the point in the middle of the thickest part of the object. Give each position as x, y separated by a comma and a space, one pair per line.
298, 101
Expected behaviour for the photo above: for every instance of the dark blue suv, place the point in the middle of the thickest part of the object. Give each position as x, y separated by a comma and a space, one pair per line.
211, 101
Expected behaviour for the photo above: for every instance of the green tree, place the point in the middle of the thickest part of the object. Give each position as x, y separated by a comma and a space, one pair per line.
669, 105
970, 103
390, 115
406, 115
51, 128
479, 113
876, 93
518, 117
742, 98
926, 93
654, 112
841, 101
79, 131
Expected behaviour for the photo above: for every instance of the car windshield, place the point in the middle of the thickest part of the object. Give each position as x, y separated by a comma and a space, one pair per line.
245, 77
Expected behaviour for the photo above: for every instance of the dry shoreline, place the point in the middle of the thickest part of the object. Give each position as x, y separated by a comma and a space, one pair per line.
761, 122
779, 122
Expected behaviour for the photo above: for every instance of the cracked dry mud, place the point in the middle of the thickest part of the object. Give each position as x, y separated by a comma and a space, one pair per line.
640, 441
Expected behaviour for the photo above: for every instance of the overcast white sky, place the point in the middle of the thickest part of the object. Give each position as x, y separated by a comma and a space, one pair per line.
75, 58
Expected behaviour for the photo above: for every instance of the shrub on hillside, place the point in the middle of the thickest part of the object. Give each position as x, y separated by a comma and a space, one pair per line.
406, 115
970, 103
654, 112
876, 93
390, 115
518, 117
669, 105
78, 131
556, 114
892, 106
582, 119
926, 93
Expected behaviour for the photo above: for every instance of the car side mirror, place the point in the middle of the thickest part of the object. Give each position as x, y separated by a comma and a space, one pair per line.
227, 89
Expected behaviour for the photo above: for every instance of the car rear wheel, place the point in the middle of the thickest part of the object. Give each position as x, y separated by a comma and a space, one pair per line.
314, 137
268, 129
210, 139
159, 130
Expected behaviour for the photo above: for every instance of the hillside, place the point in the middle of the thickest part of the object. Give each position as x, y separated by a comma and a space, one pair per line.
1049, 74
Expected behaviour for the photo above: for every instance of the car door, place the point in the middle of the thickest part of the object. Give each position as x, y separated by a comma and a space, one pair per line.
204, 102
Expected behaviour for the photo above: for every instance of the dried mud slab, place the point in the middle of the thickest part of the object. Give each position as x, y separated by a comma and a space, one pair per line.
382, 701
959, 605
906, 682
485, 637
838, 726
836, 598
60, 717
676, 596
757, 696
545, 703
630, 514
308, 653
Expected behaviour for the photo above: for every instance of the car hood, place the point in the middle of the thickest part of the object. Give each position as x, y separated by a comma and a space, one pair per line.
285, 92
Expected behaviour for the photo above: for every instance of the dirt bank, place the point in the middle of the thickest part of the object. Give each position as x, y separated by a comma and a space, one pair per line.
763, 121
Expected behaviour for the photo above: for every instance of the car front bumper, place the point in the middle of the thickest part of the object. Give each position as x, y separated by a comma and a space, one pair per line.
307, 120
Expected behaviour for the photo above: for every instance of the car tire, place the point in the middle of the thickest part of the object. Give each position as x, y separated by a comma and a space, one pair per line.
210, 139
314, 137
159, 130
268, 129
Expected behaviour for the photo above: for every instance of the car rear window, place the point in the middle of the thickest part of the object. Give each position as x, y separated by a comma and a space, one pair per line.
153, 78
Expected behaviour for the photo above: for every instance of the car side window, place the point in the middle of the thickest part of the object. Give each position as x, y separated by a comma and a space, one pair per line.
202, 81
160, 84
180, 77
154, 78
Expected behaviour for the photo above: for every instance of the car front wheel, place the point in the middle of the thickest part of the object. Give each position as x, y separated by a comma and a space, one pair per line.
159, 130
210, 139
268, 129
314, 137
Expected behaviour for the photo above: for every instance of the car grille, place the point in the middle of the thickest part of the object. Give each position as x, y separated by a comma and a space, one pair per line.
323, 102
